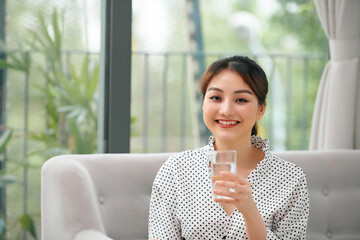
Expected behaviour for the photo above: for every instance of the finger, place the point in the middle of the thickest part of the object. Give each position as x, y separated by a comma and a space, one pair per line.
226, 193
226, 184
224, 200
228, 187
236, 190
218, 178
226, 197
233, 177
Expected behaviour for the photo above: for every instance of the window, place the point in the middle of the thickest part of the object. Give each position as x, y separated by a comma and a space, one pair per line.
50, 101
175, 41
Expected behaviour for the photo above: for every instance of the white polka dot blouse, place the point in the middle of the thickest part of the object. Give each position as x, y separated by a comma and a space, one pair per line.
182, 205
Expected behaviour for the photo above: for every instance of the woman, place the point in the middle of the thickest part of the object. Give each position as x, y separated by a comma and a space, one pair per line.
270, 198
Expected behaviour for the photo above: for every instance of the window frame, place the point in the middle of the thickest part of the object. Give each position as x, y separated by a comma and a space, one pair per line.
115, 77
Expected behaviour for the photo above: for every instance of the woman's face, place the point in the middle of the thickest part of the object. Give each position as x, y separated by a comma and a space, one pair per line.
230, 108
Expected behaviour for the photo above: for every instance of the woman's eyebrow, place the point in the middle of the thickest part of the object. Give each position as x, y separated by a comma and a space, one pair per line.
243, 91
215, 89
237, 91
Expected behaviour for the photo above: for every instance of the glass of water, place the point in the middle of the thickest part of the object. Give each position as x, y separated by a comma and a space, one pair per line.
222, 160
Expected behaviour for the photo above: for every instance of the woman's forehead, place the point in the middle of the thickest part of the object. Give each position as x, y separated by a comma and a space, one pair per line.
229, 79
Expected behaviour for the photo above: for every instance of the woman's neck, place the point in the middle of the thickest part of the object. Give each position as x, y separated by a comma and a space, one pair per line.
247, 155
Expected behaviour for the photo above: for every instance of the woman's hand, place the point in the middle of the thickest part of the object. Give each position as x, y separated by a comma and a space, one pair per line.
240, 197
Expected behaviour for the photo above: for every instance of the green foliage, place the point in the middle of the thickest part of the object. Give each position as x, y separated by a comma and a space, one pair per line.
26, 220
78, 97
69, 96
19, 60
69, 100
216, 28
4, 140
297, 19
48, 39
5, 179
70, 104
27, 223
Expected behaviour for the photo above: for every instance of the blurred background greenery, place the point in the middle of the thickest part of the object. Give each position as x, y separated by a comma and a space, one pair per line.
50, 57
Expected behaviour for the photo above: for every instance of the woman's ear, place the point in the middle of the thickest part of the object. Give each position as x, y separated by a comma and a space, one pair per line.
261, 111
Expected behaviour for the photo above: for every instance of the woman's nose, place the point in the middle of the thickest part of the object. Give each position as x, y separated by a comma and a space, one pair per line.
226, 108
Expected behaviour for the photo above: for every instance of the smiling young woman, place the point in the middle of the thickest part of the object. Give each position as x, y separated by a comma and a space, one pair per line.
269, 198
230, 108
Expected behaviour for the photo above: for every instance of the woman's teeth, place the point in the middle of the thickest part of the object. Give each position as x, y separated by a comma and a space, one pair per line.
227, 122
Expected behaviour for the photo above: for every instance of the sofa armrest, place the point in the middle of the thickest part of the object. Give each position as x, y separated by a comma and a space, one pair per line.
69, 201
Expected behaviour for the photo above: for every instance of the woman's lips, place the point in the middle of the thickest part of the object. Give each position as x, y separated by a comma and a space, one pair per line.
227, 123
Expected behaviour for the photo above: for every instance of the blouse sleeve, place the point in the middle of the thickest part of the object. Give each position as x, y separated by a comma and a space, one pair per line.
292, 222
163, 223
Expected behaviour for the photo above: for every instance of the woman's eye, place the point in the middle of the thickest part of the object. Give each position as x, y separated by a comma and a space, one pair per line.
216, 98
241, 100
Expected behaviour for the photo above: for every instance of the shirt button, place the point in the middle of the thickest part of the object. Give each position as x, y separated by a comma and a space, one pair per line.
328, 234
101, 200
325, 192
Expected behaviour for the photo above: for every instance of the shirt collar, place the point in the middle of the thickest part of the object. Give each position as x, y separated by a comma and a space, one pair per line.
211, 143
256, 141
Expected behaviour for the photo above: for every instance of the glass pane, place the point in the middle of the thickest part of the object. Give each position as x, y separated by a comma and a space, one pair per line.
51, 93
161, 96
174, 42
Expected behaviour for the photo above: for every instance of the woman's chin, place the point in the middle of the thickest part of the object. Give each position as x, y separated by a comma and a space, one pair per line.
231, 137
225, 138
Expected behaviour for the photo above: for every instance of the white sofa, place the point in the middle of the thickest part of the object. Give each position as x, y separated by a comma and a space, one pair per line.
106, 196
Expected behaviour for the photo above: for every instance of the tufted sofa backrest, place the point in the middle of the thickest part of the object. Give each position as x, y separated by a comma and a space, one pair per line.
334, 189
110, 193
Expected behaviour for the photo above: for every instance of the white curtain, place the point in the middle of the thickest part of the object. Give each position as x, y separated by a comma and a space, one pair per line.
336, 119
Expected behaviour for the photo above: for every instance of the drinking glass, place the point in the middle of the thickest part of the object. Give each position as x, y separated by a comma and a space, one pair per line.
222, 160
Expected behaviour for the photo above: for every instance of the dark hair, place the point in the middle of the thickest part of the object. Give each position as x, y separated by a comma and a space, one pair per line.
252, 74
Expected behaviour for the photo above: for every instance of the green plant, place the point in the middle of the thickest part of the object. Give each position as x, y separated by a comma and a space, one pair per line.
69, 95
47, 39
4, 140
16, 60
4, 179
27, 223
19, 61
72, 99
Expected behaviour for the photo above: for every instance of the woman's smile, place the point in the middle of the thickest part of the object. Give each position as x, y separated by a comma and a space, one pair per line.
227, 123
